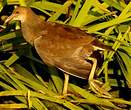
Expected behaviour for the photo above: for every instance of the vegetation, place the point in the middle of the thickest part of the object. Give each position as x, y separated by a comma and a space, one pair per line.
27, 83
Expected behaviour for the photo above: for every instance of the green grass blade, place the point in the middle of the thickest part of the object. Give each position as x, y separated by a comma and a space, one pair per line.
75, 12
90, 98
58, 83
46, 5
60, 11
13, 106
83, 13
11, 60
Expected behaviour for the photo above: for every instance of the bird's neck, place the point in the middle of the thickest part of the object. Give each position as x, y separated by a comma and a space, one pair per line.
31, 27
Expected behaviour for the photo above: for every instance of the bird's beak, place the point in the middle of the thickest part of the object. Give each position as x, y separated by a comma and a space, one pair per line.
10, 18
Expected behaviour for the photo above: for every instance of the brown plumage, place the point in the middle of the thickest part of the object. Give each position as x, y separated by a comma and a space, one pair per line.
62, 46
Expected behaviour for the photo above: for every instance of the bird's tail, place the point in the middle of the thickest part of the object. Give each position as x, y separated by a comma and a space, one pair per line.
101, 46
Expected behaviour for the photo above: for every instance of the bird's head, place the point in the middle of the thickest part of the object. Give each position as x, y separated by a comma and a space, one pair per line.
20, 13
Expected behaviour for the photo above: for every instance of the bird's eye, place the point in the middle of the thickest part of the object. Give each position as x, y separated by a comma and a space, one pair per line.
17, 12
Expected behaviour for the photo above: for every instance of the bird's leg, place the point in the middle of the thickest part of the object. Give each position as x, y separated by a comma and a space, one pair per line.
92, 73
95, 85
66, 81
65, 87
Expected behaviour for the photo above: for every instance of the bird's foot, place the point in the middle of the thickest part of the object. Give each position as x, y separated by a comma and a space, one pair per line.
99, 88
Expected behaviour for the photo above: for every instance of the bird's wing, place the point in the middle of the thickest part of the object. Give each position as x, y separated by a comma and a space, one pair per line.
71, 35
67, 33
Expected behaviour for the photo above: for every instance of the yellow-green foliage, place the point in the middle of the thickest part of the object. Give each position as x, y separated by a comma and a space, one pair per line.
24, 76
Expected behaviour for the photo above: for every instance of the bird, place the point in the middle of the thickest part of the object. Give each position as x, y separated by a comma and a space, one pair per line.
65, 47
